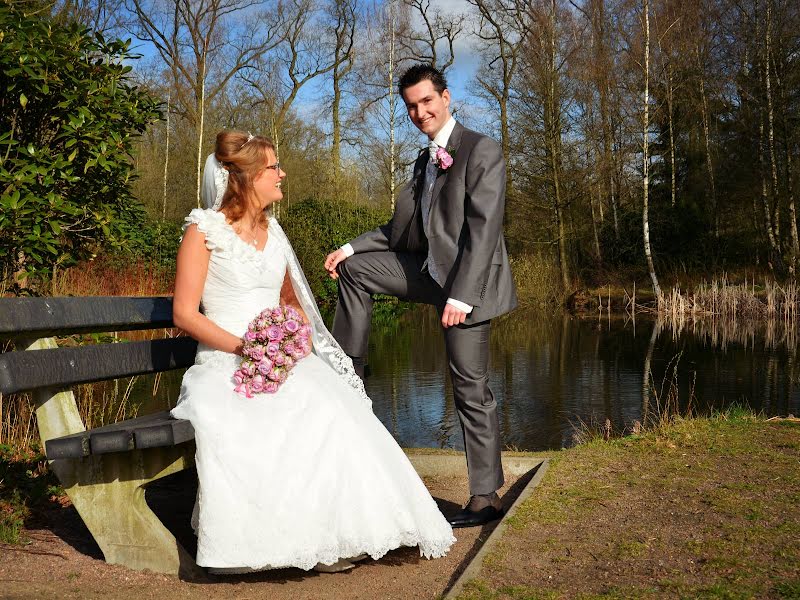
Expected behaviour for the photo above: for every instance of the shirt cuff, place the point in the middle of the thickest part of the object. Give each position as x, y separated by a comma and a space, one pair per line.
348, 250
460, 305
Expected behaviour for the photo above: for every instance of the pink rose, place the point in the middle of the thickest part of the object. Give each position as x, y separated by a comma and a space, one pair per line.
443, 159
279, 359
258, 382
291, 326
273, 348
250, 336
274, 332
289, 362
255, 352
289, 347
238, 378
275, 374
271, 387
248, 367
277, 315
264, 366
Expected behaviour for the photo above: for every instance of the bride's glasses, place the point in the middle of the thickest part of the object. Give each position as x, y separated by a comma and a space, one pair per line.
276, 166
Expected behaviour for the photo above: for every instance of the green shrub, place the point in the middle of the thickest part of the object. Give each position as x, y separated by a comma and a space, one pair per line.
318, 227
25, 482
69, 116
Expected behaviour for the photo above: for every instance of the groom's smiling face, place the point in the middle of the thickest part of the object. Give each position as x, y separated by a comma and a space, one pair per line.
428, 109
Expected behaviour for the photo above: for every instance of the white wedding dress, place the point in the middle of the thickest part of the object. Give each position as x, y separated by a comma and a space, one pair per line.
306, 475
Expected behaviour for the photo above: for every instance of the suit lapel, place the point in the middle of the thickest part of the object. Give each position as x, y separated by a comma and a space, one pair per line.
404, 211
452, 147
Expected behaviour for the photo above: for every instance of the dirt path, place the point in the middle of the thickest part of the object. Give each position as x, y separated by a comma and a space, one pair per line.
62, 561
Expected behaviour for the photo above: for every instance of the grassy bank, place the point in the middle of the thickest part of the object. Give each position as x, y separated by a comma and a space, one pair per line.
697, 508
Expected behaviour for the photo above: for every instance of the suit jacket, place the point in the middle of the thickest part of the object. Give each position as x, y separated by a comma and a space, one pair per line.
465, 226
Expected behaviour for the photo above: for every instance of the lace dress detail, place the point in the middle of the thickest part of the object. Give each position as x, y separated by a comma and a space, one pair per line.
304, 476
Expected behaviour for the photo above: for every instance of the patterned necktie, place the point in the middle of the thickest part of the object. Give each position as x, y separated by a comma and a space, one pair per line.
427, 196
432, 148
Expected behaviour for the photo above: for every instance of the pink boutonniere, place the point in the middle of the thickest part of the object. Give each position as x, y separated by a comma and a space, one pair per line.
443, 159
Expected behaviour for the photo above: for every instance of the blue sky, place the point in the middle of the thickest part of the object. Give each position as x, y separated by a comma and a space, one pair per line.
461, 75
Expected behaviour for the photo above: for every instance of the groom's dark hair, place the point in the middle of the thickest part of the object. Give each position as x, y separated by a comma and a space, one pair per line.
422, 72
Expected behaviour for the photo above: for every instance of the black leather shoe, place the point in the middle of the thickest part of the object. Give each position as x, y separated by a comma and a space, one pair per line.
471, 518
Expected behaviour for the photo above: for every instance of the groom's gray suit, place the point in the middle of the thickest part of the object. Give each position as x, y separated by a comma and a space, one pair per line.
465, 243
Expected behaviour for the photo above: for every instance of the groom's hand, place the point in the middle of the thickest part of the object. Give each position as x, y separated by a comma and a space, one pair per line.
452, 316
333, 259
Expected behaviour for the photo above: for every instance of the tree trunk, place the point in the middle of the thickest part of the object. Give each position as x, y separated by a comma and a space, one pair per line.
773, 243
391, 107
597, 253
166, 164
201, 111
336, 152
788, 174
673, 183
646, 156
771, 121
601, 63
553, 132
707, 136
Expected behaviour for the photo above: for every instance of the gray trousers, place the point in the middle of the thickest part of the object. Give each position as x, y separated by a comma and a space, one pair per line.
400, 274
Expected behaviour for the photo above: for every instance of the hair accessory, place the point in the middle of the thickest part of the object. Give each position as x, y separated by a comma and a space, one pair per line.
250, 136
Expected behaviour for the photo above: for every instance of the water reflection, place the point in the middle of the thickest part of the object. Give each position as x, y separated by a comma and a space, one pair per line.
550, 372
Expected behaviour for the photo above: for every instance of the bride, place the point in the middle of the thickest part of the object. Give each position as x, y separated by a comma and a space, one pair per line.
306, 477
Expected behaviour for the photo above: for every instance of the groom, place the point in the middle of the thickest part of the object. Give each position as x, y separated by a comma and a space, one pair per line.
443, 246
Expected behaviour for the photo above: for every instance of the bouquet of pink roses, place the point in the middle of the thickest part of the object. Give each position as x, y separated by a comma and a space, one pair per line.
275, 340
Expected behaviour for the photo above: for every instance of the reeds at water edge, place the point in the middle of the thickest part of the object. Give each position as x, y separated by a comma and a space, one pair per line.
723, 299
661, 407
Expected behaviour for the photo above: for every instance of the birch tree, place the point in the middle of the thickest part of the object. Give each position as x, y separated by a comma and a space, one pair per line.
646, 152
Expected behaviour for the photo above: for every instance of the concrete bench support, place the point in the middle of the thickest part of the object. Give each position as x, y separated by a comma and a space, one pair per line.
107, 489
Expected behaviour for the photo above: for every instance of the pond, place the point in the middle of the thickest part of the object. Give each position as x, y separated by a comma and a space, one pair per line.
552, 373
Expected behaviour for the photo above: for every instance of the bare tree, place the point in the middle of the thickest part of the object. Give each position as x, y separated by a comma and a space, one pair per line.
299, 58
500, 32
343, 32
386, 139
436, 29
601, 76
204, 44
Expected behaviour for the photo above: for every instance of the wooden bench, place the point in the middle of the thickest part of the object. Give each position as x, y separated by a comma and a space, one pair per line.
103, 470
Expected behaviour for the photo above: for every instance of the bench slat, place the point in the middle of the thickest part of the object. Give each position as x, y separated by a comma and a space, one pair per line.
63, 367
169, 432
150, 431
44, 317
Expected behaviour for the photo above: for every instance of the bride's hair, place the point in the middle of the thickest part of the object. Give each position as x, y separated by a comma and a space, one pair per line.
244, 157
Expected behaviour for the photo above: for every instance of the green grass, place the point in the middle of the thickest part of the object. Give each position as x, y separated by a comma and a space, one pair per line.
693, 508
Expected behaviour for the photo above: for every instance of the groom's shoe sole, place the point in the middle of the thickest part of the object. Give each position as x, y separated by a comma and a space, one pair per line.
469, 518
